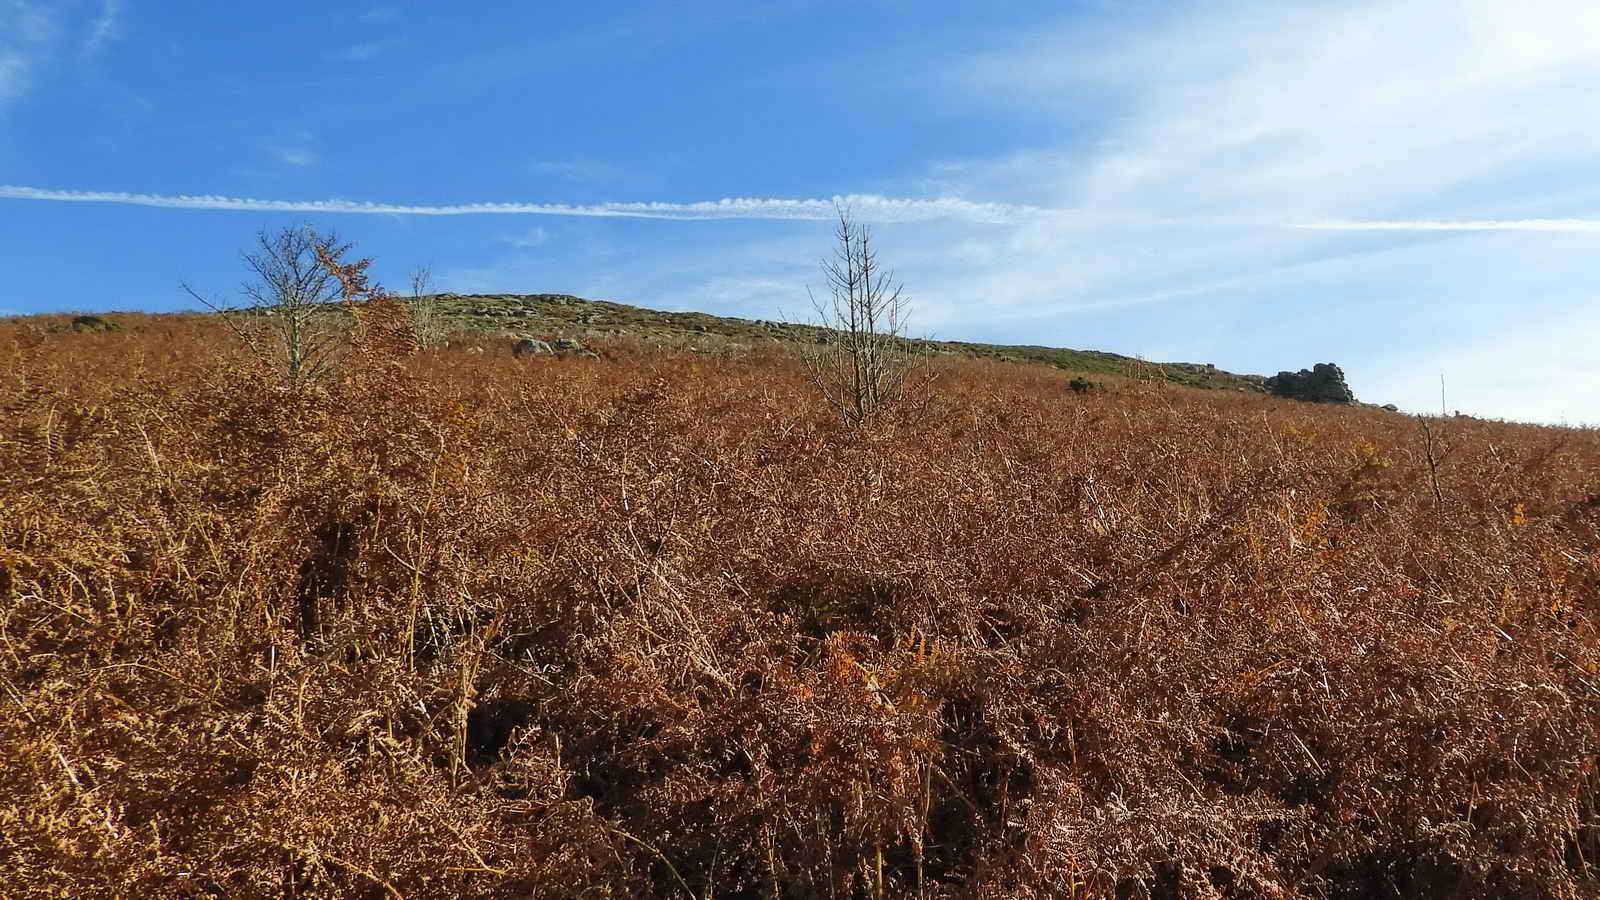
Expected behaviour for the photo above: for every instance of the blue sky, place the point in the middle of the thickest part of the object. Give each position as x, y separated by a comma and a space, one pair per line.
1406, 188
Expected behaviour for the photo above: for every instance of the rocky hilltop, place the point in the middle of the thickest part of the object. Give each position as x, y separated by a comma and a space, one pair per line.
540, 316
1322, 383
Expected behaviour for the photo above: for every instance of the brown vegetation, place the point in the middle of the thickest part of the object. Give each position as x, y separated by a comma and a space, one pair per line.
662, 625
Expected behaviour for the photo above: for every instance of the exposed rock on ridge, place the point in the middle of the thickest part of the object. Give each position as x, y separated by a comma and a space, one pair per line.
1323, 383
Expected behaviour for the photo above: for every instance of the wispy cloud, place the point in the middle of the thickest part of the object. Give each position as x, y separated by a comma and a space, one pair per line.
13, 75
105, 28
35, 23
28, 33
1320, 110
294, 156
33, 33
534, 237
590, 171
379, 15
365, 51
1459, 123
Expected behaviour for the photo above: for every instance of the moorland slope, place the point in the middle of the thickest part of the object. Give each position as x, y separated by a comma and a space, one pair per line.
453, 625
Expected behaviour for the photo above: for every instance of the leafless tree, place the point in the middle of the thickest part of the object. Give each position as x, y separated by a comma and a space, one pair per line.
427, 323
862, 361
291, 318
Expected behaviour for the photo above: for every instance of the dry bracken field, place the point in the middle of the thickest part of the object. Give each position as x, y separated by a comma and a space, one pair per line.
657, 625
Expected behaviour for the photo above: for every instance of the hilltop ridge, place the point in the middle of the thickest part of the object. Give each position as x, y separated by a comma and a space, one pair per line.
572, 316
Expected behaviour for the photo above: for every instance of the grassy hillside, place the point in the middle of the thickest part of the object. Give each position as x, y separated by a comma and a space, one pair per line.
573, 316
657, 625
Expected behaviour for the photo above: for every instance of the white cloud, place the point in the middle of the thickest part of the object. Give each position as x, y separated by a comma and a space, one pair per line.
1316, 110
105, 28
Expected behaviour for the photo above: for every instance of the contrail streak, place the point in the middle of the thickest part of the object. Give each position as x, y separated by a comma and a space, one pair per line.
868, 206
1569, 226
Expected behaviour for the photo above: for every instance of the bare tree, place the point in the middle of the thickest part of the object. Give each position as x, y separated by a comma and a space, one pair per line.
863, 360
427, 323
291, 319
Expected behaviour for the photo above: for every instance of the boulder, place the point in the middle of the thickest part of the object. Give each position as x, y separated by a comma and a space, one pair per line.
1322, 383
530, 348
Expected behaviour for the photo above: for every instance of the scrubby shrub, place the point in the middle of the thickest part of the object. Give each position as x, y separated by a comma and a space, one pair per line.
92, 323
429, 325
